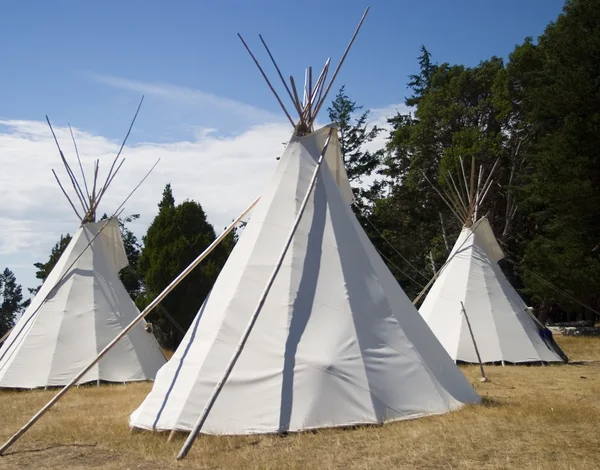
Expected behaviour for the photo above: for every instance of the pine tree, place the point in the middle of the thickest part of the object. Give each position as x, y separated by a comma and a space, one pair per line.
11, 300
44, 269
129, 274
557, 84
167, 201
422, 82
176, 236
355, 134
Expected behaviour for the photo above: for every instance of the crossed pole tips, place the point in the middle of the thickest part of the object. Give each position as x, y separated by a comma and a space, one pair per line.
314, 94
307, 110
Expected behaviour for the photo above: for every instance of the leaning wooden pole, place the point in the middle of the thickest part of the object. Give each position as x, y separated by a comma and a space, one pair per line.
137, 319
483, 377
6, 335
339, 66
268, 82
263, 297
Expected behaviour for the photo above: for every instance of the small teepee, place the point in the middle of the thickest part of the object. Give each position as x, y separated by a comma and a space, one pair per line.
503, 327
305, 326
80, 308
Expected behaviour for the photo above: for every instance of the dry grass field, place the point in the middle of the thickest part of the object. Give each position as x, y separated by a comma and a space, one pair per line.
532, 417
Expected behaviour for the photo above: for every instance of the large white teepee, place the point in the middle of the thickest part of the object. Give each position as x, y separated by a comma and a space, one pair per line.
80, 308
503, 327
71, 321
337, 341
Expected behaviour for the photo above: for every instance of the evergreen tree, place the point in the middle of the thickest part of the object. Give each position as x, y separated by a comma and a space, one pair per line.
557, 83
44, 269
420, 83
355, 133
11, 300
461, 113
177, 235
129, 275
538, 115
167, 201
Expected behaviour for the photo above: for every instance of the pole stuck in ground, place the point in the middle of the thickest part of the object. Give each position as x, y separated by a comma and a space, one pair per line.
483, 376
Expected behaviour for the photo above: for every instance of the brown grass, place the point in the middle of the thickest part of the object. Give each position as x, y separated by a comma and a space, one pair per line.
532, 417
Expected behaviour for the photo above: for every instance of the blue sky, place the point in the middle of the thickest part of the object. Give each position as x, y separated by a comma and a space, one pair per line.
50, 50
207, 114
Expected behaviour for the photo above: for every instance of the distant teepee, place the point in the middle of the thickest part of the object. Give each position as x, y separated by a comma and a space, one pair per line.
305, 326
80, 308
503, 327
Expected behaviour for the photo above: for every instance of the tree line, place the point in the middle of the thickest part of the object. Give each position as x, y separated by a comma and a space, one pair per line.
537, 114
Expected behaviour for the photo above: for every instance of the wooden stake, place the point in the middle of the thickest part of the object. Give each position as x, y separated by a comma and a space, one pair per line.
137, 319
263, 297
483, 377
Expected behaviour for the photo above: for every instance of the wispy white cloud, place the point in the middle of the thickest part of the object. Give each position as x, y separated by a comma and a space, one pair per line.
186, 96
223, 173
379, 117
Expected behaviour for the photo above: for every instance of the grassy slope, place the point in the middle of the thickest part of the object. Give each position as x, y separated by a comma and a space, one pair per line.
532, 417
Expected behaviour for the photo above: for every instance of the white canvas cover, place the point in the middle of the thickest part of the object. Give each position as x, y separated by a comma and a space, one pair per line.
501, 323
55, 339
337, 341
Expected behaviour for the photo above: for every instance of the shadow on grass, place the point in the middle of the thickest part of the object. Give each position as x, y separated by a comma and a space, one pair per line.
57, 446
488, 402
583, 362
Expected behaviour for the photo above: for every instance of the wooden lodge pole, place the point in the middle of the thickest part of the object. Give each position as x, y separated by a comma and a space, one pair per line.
483, 376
